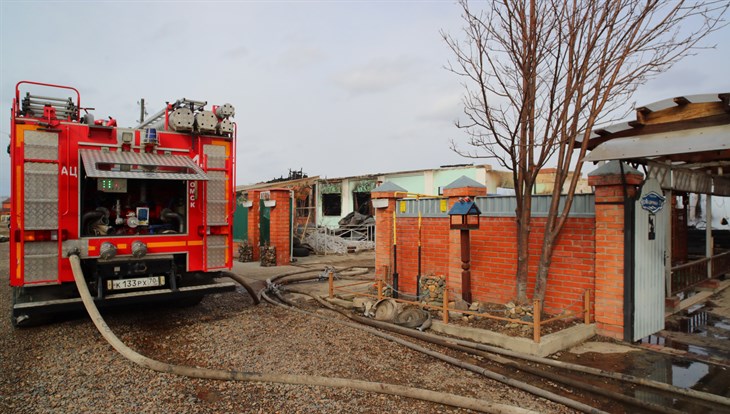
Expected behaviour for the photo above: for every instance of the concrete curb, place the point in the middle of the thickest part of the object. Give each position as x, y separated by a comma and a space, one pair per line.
549, 344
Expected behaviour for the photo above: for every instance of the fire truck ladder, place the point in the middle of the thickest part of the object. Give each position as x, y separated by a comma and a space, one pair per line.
159, 118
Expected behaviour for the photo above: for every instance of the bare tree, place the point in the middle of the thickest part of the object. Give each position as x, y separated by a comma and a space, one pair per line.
540, 74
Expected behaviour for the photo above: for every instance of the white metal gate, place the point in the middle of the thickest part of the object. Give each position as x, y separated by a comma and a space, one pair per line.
650, 229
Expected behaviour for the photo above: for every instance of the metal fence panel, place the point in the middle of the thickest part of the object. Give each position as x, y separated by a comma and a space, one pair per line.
498, 206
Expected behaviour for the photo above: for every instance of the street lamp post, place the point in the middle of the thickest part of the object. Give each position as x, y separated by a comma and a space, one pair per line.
464, 216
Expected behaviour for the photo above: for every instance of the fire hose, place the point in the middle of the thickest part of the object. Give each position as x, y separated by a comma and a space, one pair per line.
445, 358
234, 375
450, 342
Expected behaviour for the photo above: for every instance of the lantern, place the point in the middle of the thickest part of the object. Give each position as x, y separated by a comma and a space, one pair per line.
464, 215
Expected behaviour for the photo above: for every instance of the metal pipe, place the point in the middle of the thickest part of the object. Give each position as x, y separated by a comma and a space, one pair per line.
418, 275
57, 102
58, 107
395, 257
49, 98
292, 207
190, 101
152, 119
168, 215
63, 108
88, 216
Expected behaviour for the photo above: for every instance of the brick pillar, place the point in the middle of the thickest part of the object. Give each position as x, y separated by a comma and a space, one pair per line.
384, 201
280, 234
609, 295
461, 188
253, 223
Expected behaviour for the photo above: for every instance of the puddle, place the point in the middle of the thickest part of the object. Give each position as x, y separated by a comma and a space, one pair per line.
703, 335
698, 331
663, 368
695, 322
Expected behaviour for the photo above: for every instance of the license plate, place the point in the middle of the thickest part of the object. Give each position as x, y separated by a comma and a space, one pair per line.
141, 282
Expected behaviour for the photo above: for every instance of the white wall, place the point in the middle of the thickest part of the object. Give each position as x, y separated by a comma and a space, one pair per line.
720, 210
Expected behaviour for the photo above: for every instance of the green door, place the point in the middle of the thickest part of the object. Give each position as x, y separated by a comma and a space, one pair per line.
264, 224
240, 223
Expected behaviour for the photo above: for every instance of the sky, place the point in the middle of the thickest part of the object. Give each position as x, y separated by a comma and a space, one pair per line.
336, 88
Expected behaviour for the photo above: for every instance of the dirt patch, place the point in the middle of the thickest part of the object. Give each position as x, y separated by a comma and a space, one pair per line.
510, 328
602, 348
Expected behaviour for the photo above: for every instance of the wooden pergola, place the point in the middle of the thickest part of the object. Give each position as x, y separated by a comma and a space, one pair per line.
684, 143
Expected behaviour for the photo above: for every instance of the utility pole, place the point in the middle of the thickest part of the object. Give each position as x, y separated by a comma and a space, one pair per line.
141, 110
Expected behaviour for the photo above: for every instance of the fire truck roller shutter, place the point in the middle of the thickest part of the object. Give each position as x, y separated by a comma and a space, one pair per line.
141, 165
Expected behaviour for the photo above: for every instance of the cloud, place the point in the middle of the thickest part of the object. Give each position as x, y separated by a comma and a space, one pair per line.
377, 75
235, 53
300, 57
165, 31
444, 108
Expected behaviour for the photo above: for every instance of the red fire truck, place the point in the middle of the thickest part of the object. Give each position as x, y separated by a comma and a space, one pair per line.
148, 209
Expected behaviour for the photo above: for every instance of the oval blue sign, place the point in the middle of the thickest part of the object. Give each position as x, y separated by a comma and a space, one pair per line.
652, 202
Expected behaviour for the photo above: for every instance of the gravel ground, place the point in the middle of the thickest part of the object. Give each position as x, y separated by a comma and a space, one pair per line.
67, 367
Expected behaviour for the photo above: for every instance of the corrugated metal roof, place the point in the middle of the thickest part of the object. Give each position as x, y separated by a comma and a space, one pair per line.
668, 143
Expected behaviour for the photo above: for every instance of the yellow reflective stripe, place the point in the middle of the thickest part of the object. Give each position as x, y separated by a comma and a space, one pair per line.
167, 244
18, 253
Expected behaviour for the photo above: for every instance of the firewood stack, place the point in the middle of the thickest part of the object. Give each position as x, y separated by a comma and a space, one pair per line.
268, 256
245, 252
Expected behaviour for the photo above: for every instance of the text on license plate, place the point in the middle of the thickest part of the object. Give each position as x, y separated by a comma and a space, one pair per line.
141, 282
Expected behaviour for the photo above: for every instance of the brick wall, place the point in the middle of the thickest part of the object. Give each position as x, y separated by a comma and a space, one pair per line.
384, 240
253, 223
589, 254
609, 301
434, 249
280, 235
279, 229
493, 258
